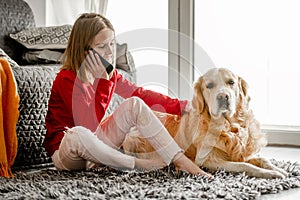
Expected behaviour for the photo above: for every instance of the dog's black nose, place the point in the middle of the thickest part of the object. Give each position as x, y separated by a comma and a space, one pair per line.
222, 98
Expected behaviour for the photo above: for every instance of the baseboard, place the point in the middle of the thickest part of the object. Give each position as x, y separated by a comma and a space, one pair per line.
282, 136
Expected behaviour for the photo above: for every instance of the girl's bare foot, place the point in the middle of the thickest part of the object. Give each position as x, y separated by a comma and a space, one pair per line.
185, 164
149, 164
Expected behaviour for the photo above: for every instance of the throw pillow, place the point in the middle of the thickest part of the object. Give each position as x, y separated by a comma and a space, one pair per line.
51, 37
124, 58
42, 56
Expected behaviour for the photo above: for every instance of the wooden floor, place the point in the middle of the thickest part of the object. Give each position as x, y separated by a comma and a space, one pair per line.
282, 154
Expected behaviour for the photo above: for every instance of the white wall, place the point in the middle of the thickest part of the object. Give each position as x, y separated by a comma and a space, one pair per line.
39, 10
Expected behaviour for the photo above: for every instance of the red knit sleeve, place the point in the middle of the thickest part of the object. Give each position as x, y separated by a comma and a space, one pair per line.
154, 100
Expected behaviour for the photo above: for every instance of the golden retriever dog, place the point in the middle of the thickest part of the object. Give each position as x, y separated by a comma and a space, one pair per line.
220, 131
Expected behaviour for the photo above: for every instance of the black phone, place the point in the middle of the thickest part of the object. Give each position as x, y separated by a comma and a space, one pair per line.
106, 64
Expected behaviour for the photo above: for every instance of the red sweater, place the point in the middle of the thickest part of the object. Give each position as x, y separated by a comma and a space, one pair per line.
73, 103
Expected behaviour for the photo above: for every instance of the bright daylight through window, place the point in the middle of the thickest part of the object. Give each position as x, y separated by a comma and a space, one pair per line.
132, 27
259, 40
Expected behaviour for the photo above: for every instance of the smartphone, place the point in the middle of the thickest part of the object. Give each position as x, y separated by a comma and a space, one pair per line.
105, 63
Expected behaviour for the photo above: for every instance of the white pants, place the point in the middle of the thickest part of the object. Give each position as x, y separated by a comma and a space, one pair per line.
82, 149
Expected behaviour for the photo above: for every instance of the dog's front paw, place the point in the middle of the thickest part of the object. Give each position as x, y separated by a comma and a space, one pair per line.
282, 171
273, 174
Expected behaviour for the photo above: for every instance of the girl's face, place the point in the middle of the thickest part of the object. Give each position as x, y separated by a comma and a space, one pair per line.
105, 44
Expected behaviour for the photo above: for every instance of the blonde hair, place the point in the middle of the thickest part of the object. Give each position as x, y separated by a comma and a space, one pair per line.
85, 28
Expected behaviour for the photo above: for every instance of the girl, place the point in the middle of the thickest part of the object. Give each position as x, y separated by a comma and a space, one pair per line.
80, 96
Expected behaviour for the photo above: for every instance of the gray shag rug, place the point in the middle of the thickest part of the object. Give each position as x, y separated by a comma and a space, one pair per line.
107, 183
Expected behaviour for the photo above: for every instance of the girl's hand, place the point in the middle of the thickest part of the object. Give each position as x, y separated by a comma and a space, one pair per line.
94, 66
187, 108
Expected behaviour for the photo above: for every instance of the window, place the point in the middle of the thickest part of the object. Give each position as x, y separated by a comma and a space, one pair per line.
259, 40
143, 26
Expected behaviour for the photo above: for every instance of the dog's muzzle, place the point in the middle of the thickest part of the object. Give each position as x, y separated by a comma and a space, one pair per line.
223, 101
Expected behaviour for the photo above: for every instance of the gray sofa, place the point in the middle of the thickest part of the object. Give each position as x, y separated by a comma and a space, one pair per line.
34, 82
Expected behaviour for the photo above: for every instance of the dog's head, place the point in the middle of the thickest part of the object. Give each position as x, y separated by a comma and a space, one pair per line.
220, 92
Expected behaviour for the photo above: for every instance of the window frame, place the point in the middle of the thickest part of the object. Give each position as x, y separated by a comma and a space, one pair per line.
181, 52
181, 20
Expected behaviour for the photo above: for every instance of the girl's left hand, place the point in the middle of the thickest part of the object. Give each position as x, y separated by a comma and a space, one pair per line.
187, 108
95, 66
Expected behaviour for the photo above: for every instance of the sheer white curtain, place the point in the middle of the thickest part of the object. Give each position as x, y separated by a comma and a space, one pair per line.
66, 12
97, 6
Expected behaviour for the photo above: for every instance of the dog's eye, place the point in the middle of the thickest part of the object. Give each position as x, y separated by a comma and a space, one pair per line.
210, 86
230, 82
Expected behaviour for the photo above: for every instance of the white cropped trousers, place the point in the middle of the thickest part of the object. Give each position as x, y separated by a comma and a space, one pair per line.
81, 149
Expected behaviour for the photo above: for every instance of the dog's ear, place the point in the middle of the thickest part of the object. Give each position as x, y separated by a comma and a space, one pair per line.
243, 86
198, 101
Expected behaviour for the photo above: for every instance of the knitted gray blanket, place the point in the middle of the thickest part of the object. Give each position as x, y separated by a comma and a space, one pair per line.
107, 183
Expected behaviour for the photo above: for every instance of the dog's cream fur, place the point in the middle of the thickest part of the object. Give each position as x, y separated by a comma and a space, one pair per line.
220, 131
